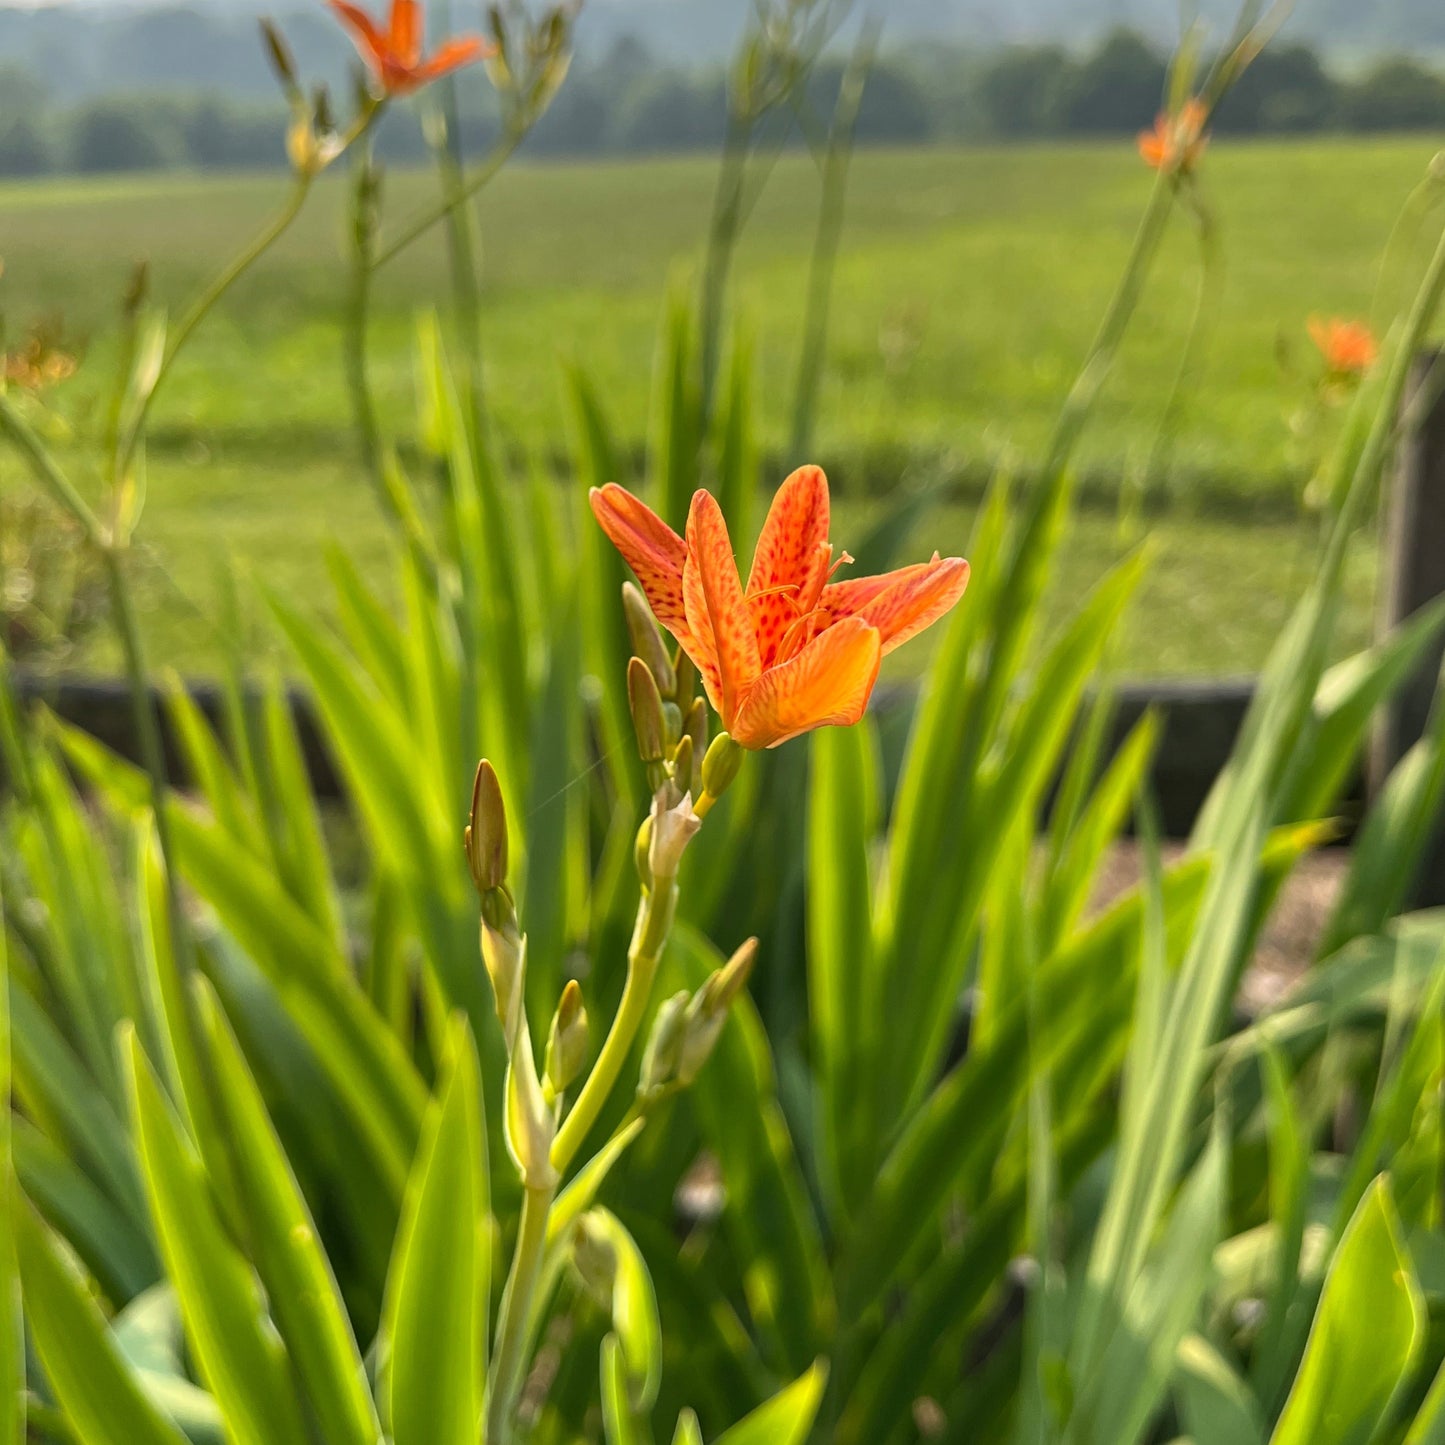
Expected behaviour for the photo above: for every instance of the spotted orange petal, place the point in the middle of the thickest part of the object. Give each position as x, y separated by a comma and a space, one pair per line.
363, 28
650, 547
911, 599
791, 560
712, 572
827, 684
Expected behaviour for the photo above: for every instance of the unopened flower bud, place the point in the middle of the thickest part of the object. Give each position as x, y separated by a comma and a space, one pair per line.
707, 1011
647, 641
595, 1258
567, 1040
671, 724
673, 825
720, 765
645, 703
664, 1046
279, 54
486, 833
694, 725
682, 764
686, 688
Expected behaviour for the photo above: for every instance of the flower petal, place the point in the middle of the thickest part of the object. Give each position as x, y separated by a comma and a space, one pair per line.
711, 578
451, 55
362, 27
650, 547
917, 598
827, 684
791, 561
405, 40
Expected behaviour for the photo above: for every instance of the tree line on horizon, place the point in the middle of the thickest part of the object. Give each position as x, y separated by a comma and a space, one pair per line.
627, 103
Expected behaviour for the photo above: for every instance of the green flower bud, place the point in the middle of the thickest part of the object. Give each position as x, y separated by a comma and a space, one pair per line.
664, 1046
682, 765
645, 702
686, 688
486, 834
720, 765
567, 1041
647, 641
707, 1011
694, 725
595, 1259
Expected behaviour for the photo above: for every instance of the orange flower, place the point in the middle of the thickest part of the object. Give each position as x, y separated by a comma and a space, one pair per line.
395, 55
793, 651
1177, 141
1348, 347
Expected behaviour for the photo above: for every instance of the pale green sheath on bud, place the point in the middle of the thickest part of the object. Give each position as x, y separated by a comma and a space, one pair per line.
647, 641
567, 1040
673, 826
530, 1123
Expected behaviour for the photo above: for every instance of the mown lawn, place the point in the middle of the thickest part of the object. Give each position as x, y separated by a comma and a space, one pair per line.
968, 287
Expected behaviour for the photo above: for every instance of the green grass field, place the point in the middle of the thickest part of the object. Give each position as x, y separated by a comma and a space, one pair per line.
968, 287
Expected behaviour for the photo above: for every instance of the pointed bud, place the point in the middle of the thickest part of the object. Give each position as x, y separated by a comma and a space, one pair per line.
686, 688
647, 641
682, 765
595, 1258
694, 725
664, 1046
279, 54
720, 765
567, 1041
708, 1011
486, 833
645, 702
673, 825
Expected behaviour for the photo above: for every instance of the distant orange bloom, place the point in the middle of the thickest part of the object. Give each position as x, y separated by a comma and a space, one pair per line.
1177, 141
38, 364
395, 54
793, 651
1348, 347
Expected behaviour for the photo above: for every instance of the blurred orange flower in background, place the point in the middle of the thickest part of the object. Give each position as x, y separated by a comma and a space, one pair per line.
793, 651
1348, 347
395, 54
1177, 141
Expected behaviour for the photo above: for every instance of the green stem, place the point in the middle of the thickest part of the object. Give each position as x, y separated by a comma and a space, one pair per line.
721, 242
428, 218
202, 305
834, 166
509, 1357
61, 489
358, 315
654, 923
